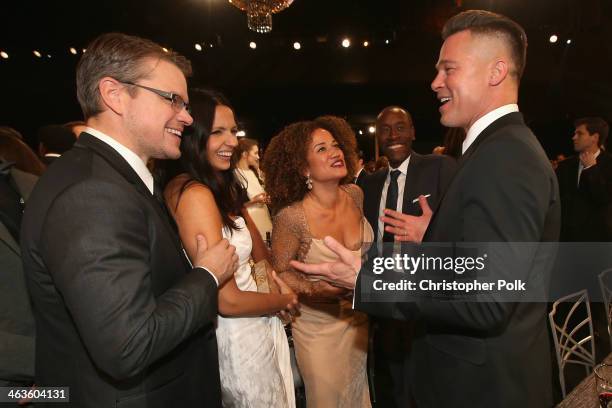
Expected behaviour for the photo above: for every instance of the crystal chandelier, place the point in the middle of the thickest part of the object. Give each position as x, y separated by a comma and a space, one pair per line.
259, 12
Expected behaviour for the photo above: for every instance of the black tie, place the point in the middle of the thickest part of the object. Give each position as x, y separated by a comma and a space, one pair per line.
391, 202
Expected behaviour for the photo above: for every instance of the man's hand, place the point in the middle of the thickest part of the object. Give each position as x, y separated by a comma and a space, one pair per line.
221, 259
324, 290
342, 273
408, 227
587, 159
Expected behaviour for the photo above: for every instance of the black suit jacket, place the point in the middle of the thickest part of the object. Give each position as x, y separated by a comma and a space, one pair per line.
362, 174
120, 317
484, 354
16, 319
586, 207
428, 174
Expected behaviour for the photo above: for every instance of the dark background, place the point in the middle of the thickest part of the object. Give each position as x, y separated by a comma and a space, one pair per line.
275, 85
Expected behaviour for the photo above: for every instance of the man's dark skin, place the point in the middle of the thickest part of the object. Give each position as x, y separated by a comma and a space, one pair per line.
395, 134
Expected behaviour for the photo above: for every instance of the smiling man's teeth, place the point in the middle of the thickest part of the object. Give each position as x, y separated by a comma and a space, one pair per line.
444, 100
396, 146
225, 154
174, 131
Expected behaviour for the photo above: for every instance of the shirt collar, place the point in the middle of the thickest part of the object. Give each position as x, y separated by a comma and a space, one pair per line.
595, 155
132, 158
482, 123
403, 168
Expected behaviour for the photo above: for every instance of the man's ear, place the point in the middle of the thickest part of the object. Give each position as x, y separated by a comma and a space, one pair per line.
499, 72
598, 137
111, 94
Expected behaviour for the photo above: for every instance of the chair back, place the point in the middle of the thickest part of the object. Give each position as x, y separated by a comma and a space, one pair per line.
605, 284
572, 332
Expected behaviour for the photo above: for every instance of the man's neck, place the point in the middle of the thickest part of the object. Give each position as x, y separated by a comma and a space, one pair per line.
117, 133
591, 150
494, 104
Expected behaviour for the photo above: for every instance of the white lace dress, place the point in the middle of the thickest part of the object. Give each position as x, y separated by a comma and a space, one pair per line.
254, 359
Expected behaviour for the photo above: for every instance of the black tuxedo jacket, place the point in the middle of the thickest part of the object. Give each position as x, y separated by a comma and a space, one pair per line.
586, 207
485, 354
428, 174
120, 317
362, 174
16, 320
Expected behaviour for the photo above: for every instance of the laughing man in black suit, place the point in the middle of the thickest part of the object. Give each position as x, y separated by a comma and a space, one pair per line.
121, 318
494, 353
409, 175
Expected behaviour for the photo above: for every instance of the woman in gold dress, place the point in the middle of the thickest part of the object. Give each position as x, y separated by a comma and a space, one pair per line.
308, 168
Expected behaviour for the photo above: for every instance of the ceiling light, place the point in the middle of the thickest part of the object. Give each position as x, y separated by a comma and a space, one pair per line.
4, 55
165, 49
553, 38
386, 41
84, 50
73, 51
297, 45
366, 43
241, 133
259, 13
37, 53
198, 47
48, 55
346, 43
360, 132
569, 41
371, 129
253, 45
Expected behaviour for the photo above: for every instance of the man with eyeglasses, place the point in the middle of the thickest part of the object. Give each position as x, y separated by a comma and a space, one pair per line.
121, 317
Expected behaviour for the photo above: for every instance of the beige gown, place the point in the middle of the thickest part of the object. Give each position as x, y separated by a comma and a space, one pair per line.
330, 338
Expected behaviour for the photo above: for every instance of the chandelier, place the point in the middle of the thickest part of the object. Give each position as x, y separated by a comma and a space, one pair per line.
259, 12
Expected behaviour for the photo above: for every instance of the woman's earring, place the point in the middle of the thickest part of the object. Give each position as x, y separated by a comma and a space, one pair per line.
308, 182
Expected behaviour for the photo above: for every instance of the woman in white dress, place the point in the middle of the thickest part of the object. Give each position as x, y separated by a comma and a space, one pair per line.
246, 157
205, 198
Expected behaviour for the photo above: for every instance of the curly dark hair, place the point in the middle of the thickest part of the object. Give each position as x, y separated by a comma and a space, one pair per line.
285, 163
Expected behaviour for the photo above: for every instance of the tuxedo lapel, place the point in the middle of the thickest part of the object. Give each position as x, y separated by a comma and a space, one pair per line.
376, 183
409, 186
7, 239
514, 118
116, 161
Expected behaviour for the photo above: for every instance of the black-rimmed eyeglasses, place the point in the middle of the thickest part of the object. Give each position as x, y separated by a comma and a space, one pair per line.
177, 101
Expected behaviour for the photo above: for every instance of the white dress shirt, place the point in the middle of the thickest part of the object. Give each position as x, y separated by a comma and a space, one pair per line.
581, 166
482, 123
139, 167
401, 182
132, 158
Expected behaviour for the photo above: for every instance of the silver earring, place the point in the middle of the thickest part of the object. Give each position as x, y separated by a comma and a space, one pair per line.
308, 182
